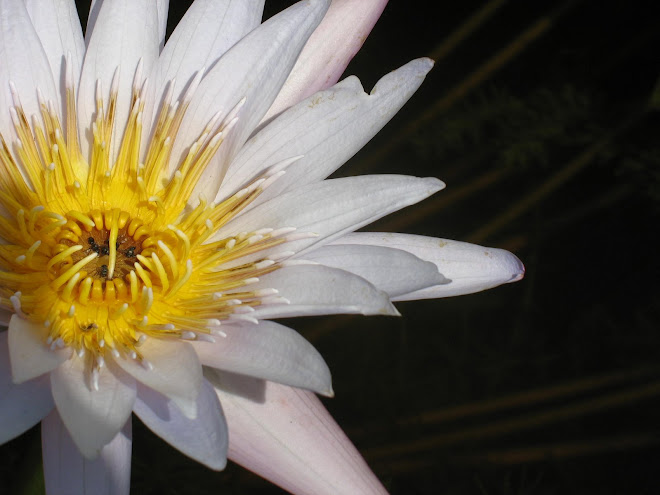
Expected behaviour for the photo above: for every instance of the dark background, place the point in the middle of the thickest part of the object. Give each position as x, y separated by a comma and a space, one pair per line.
540, 118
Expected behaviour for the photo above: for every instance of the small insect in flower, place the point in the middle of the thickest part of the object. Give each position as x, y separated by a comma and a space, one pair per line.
103, 271
89, 327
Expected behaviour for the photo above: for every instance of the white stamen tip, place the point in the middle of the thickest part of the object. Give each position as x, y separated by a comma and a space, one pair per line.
243, 309
95, 379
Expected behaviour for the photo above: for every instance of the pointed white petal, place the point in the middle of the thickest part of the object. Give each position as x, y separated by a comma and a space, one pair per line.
208, 29
124, 32
291, 440
19, 43
320, 290
203, 439
394, 271
58, 27
67, 472
93, 15
269, 351
29, 354
176, 372
470, 268
163, 7
92, 417
255, 69
333, 207
21, 406
327, 129
329, 50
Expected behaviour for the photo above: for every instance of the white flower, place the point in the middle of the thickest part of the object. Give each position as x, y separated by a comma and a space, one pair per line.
159, 204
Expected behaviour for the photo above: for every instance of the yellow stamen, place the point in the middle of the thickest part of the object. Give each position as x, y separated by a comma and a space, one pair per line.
108, 252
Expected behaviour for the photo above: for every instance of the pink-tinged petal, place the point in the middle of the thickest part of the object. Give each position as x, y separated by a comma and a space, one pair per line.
290, 439
394, 271
208, 29
173, 370
21, 406
324, 131
93, 417
58, 27
23, 62
254, 69
29, 354
124, 32
309, 289
67, 472
328, 51
203, 439
333, 207
470, 268
269, 351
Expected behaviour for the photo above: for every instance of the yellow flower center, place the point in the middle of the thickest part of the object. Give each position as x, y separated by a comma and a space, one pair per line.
105, 256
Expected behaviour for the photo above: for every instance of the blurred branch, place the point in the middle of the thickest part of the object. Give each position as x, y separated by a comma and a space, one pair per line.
519, 424
527, 398
566, 450
565, 219
481, 74
466, 29
551, 184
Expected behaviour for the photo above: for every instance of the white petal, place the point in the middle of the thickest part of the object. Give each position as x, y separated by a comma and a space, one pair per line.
23, 62
93, 417
29, 354
255, 68
269, 351
333, 207
208, 29
124, 32
320, 290
327, 129
203, 439
67, 472
163, 8
470, 268
21, 406
291, 440
58, 27
176, 372
329, 50
395, 271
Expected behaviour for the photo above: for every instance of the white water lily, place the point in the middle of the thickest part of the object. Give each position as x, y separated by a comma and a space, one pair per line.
160, 202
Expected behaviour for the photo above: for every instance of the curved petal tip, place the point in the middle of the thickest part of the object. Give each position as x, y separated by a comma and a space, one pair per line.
519, 270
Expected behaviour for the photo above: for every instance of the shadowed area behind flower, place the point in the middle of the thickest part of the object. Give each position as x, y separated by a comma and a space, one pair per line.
550, 151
